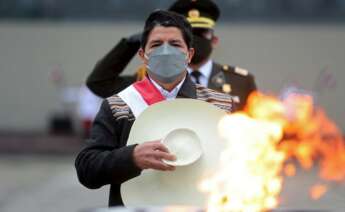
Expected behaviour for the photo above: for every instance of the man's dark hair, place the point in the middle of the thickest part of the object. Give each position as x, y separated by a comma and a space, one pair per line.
167, 19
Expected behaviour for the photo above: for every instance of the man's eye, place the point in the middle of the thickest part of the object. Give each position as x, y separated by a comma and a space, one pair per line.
156, 45
176, 44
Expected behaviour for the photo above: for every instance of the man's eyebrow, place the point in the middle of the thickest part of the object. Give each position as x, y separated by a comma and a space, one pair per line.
175, 40
156, 41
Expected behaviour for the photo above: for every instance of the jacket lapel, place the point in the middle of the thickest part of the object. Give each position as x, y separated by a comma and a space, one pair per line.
188, 89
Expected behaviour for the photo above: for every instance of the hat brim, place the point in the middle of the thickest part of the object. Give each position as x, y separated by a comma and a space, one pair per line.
179, 187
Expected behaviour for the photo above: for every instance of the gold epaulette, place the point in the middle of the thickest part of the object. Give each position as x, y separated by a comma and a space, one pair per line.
141, 72
241, 71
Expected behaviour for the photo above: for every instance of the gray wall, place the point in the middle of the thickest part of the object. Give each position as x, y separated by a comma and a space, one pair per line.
278, 55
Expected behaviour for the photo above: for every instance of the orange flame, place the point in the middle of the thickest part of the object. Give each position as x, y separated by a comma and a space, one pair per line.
309, 135
248, 178
317, 191
261, 139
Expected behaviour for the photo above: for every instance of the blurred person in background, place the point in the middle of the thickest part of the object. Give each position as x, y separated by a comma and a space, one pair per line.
105, 79
166, 49
88, 106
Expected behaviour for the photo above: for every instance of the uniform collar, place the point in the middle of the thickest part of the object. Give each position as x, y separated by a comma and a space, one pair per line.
205, 69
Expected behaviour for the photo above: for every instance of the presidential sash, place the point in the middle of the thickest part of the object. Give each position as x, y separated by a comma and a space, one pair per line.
140, 95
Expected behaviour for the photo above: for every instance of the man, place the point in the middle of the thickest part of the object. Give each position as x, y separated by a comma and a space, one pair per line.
166, 50
202, 15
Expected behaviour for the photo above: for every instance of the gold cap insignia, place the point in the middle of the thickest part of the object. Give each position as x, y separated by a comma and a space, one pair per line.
194, 13
225, 67
226, 88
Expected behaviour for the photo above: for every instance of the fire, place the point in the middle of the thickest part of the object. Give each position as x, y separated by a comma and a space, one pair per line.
317, 191
248, 179
261, 143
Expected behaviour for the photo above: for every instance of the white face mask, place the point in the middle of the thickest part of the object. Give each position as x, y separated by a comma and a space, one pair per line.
166, 63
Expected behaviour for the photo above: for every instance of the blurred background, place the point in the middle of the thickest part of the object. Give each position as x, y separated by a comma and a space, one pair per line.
48, 48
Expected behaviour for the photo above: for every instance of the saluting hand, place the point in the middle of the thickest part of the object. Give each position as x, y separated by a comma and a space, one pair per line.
149, 155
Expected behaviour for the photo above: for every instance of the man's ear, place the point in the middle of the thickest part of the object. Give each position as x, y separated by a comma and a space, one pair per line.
191, 52
141, 54
215, 41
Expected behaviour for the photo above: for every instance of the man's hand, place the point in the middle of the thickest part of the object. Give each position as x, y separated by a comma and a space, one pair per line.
149, 155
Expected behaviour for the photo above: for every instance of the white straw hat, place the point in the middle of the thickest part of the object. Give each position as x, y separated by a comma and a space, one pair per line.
185, 144
177, 122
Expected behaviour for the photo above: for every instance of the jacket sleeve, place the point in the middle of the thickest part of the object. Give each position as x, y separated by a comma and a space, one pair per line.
105, 159
105, 79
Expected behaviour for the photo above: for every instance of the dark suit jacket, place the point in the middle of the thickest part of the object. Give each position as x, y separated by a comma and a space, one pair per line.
107, 159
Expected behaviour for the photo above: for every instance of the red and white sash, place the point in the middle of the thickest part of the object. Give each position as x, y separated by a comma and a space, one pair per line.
140, 95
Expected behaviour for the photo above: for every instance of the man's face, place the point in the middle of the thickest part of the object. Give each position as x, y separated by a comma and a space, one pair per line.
160, 35
204, 33
204, 43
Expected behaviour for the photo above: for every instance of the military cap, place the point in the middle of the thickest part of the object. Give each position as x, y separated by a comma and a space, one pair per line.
199, 13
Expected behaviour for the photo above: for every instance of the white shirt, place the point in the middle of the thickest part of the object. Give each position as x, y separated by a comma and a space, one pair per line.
168, 95
205, 71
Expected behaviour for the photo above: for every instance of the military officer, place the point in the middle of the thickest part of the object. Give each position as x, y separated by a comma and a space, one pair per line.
202, 15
